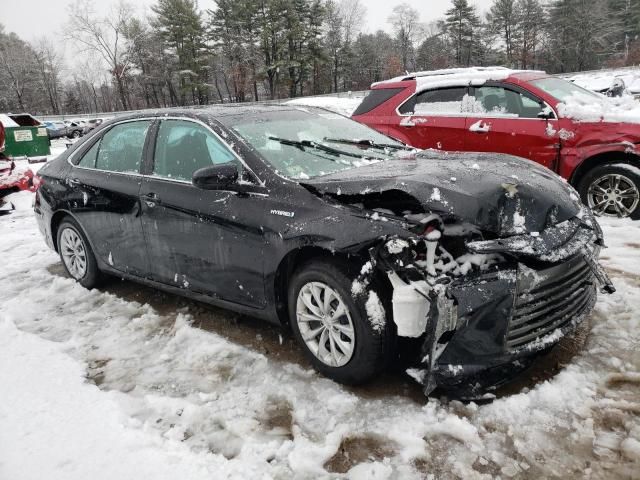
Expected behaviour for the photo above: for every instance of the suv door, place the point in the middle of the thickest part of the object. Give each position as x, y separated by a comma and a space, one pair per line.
104, 186
201, 240
505, 119
433, 119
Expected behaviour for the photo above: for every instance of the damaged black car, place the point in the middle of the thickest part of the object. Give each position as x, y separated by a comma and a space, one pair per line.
366, 248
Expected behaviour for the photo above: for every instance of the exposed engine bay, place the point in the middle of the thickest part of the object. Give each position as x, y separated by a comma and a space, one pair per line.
434, 271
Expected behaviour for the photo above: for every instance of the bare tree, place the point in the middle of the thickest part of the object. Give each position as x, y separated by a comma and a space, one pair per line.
405, 21
104, 36
353, 14
50, 65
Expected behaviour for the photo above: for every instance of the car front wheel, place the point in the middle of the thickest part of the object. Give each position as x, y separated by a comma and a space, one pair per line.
612, 190
76, 254
347, 339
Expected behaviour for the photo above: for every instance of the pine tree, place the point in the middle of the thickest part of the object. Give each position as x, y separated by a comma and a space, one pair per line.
179, 24
503, 20
582, 34
463, 24
531, 21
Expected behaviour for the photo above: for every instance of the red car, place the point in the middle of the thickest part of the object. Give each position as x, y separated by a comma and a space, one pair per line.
586, 138
12, 177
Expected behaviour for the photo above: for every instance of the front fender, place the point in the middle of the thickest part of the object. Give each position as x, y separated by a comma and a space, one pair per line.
573, 154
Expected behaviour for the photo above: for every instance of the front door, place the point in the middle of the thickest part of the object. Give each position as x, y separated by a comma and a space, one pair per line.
104, 190
201, 240
505, 120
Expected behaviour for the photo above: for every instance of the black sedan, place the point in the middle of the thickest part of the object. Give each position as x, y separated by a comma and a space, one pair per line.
464, 263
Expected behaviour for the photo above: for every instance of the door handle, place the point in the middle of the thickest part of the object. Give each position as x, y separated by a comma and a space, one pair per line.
151, 199
480, 127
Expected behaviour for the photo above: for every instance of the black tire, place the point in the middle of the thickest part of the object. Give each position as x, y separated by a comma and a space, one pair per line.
373, 345
630, 175
75, 134
92, 275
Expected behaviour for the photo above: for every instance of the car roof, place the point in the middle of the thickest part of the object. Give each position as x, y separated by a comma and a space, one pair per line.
458, 77
216, 111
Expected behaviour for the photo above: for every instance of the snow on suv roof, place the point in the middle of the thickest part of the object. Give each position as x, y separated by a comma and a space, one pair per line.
452, 77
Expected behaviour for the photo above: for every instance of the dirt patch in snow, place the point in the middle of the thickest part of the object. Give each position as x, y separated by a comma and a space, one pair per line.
278, 417
359, 449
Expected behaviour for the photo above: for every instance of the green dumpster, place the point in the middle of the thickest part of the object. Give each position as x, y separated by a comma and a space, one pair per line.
25, 136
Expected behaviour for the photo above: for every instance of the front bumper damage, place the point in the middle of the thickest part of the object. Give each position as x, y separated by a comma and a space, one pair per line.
528, 292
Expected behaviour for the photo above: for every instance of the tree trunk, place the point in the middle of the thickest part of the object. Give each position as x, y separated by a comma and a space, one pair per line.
123, 98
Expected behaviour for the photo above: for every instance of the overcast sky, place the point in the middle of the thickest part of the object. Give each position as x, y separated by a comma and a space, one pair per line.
31, 19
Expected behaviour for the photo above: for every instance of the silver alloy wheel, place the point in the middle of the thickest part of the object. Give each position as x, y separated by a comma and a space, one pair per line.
613, 195
325, 324
73, 253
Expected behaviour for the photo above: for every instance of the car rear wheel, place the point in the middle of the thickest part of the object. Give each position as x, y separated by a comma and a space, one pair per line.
612, 190
76, 254
333, 328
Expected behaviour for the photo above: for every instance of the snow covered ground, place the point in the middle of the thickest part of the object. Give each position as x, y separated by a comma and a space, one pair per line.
128, 383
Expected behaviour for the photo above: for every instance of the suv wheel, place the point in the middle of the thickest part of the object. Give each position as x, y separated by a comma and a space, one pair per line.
76, 254
612, 190
333, 328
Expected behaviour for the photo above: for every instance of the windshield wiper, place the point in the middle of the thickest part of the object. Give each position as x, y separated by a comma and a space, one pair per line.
367, 143
302, 144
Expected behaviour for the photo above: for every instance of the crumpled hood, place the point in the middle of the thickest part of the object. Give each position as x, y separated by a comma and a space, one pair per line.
501, 194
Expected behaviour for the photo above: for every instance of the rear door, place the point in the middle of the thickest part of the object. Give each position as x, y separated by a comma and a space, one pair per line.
103, 195
505, 119
433, 119
208, 241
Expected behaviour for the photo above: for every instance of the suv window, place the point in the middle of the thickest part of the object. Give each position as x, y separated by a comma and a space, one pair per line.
375, 98
503, 101
440, 101
183, 147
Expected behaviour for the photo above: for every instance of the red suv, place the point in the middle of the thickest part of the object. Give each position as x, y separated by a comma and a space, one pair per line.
583, 136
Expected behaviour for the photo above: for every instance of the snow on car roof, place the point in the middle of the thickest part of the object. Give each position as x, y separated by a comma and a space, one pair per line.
456, 76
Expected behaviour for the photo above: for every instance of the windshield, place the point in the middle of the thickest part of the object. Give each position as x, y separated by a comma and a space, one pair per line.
563, 90
301, 144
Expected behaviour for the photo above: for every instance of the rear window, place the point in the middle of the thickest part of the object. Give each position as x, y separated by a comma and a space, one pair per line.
375, 98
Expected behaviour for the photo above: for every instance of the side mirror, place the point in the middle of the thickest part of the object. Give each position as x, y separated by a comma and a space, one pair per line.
215, 177
546, 113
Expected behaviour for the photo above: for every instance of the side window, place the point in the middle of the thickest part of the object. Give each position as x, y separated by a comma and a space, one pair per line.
375, 98
440, 102
88, 160
182, 147
502, 101
120, 149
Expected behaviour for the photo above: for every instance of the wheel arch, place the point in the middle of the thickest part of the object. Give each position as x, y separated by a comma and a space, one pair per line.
609, 157
56, 220
299, 256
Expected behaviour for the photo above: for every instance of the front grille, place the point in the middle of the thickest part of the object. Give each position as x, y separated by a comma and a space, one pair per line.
549, 300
